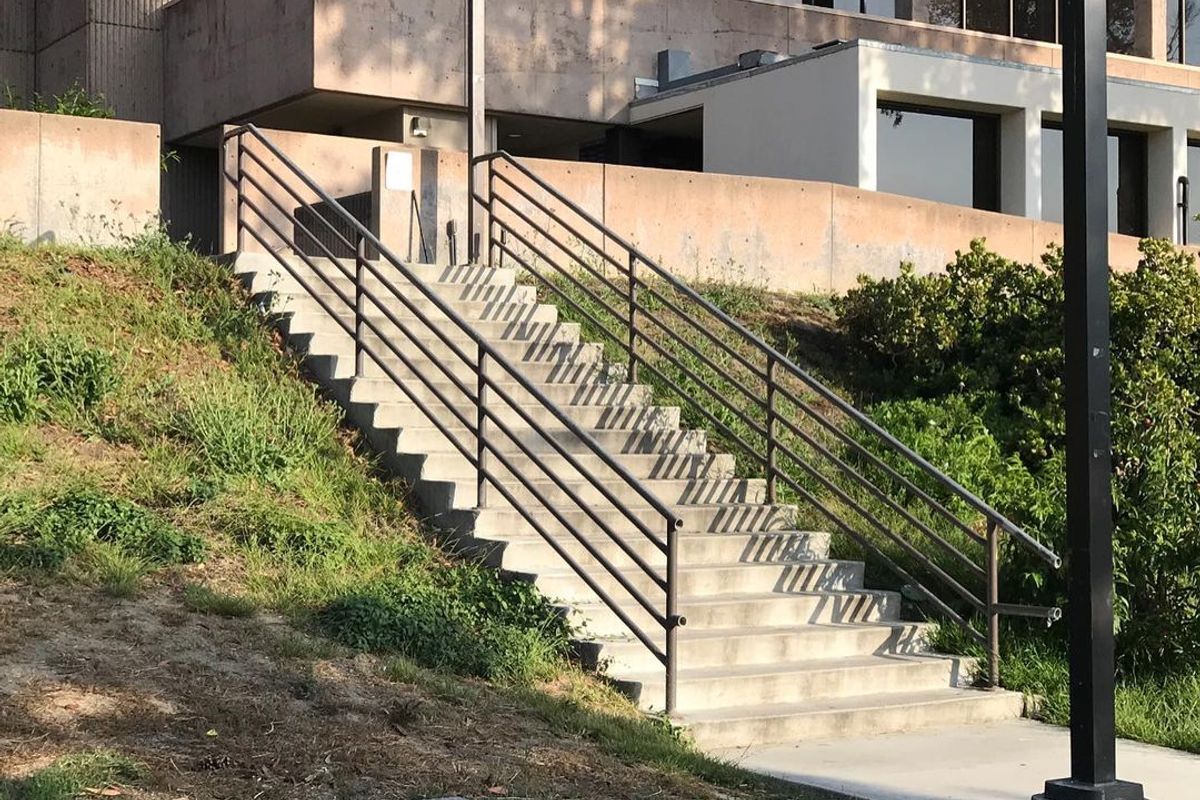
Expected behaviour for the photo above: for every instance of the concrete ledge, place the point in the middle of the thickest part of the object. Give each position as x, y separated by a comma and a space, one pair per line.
76, 179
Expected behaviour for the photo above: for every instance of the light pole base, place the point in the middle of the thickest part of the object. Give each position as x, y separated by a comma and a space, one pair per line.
1069, 789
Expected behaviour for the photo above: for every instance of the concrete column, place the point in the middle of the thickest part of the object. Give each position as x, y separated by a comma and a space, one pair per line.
868, 137
1021, 163
1166, 161
1150, 28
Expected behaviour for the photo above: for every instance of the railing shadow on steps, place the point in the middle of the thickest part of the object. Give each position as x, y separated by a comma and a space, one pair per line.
399, 338
807, 440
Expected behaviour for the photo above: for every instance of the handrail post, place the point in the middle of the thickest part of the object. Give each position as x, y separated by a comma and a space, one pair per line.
633, 334
481, 428
772, 417
360, 268
491, 212
241, 193
993, 603
674, 621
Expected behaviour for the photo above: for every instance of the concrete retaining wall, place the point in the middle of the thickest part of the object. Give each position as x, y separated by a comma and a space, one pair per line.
790, 235
75, 179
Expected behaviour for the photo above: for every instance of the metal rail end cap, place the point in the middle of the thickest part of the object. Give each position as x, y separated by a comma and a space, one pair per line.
1053, 615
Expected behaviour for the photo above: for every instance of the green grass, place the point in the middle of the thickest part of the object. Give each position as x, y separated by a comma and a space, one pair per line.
69, 776
204, 600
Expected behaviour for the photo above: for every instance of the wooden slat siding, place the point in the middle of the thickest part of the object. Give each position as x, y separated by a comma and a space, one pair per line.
125, 65
359, 206
191, 197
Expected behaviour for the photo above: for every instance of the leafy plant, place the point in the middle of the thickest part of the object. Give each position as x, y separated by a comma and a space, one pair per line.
53, 369
40, 535
980, 350
75, 101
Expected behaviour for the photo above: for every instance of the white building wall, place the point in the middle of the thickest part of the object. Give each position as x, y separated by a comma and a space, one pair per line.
814, 118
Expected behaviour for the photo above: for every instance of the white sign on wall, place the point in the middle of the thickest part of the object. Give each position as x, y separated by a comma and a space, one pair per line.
398, 172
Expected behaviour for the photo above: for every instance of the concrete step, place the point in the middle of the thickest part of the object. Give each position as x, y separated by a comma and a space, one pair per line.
288, 298
721, 580
531, 553
590, 393
252, 264
553, 363
857, 715
705, 467
749, 610
669, 491
318, 320
702, 648
719, 518
415, 439
397, 412
720, 688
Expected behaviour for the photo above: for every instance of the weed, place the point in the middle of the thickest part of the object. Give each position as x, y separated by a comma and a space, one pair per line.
204, 600
255, 430
282, 533
56, 369
114, 571
70, 775
41, 535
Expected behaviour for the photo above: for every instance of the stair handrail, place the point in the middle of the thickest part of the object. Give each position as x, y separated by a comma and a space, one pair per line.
497, 206
486, 386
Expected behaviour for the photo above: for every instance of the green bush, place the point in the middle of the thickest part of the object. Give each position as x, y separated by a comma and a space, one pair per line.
74, 101
53, 369
980, 347
464, 620
39, 535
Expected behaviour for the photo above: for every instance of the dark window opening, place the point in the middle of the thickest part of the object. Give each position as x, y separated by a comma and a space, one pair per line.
1183, 39
941, 155
1193, 171
1128, 207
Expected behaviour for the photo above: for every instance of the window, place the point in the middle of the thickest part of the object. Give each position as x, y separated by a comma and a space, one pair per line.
947, 156
1193, 168
877, 8
1191, 32
1127, 181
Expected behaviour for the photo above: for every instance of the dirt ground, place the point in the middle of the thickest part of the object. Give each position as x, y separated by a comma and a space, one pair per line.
235, 708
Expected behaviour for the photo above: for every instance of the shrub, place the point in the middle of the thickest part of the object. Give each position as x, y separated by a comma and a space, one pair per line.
53, 368
74, 101
44, 535
465, 620
981, 347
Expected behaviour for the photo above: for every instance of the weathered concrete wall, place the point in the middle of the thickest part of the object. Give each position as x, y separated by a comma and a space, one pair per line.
340, 165
565, 58
77, 180
226, 58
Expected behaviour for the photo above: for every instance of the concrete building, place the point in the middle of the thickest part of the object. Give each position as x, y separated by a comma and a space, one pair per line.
849, 91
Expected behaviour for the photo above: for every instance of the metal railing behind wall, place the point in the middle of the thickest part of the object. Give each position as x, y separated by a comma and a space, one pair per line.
391, 329
808, 442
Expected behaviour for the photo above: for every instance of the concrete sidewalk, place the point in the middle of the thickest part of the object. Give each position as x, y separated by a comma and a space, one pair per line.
1005, 761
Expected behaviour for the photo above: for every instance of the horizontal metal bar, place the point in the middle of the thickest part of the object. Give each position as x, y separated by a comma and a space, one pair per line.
882, 496
829, 395
1049, 613
868, 545
552, 508
445, 431
555, 218
615, 607
885, 531
450, 313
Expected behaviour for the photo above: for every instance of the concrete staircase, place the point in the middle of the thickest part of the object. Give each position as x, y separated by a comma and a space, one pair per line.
782, 642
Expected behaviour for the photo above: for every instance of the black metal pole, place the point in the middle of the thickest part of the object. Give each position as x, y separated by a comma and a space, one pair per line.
1088, 407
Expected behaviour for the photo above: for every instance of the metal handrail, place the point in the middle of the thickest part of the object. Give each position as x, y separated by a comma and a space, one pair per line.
397, 337
639, 277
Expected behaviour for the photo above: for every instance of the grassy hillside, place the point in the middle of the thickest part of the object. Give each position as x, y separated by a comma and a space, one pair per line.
207, 588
